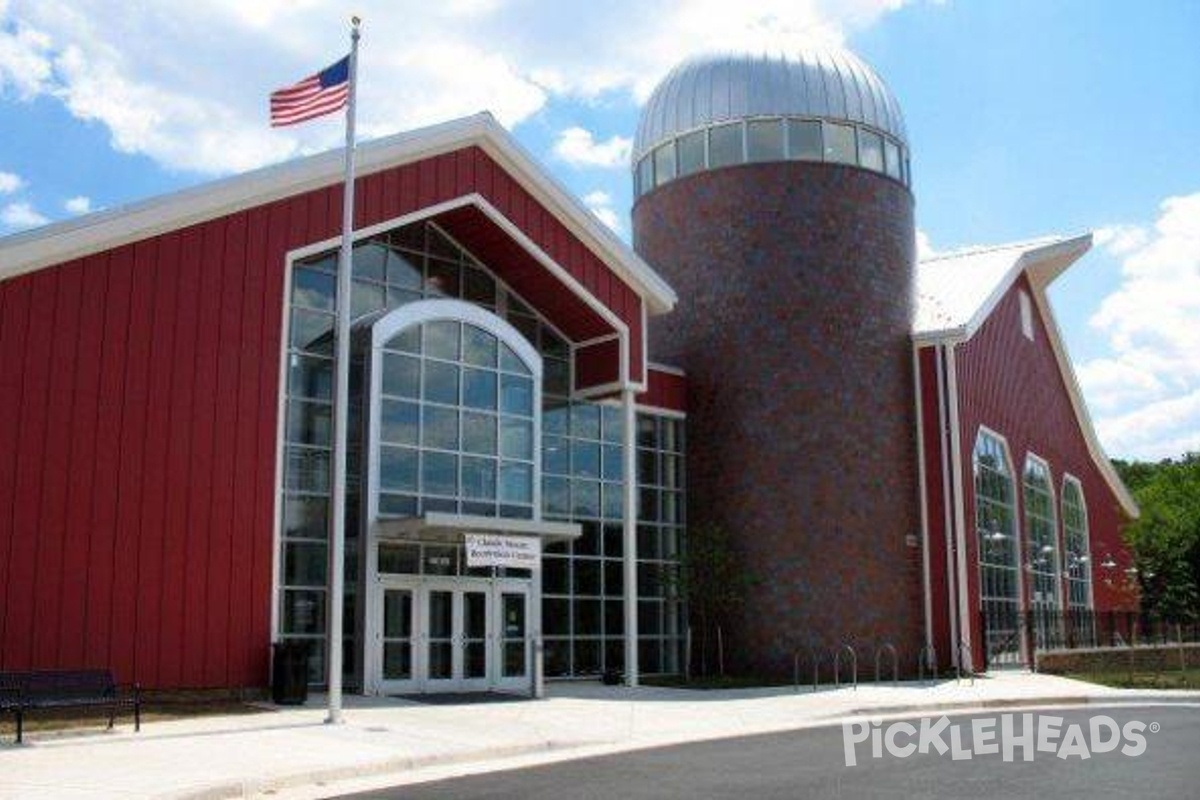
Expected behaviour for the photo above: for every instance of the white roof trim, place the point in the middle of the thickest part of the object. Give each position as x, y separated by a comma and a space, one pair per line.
103, 230
1044, 261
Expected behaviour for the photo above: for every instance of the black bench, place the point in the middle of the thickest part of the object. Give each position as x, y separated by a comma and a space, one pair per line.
21, 692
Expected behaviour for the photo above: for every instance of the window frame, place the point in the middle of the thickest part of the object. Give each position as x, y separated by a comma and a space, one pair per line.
422, 312
1070, 480
1017, 600
1032, 459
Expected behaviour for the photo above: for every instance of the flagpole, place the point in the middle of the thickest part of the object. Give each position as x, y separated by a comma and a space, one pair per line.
337, 559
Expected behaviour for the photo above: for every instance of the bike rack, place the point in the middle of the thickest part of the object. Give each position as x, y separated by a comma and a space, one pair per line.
927, 657
815, 655
837, 665
886, 647
964, 648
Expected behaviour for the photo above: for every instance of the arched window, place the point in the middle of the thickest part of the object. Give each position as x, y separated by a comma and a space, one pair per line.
995, 516
455, 413
1078, 551
1041, 535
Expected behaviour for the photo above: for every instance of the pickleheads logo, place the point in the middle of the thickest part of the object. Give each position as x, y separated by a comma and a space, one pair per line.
1035, 733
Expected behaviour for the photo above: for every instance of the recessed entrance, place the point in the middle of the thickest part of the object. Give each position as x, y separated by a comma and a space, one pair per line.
453, 635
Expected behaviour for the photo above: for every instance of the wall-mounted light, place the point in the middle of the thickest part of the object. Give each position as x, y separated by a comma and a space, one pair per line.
1108, 562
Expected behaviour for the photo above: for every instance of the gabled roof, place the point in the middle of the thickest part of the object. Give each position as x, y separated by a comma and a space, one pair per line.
63, 241
957, 292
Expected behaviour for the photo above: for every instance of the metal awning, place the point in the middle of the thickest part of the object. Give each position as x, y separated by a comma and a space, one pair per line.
450, 527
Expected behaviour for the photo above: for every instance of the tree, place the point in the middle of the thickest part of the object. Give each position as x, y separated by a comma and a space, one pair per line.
714, 581
1165, 539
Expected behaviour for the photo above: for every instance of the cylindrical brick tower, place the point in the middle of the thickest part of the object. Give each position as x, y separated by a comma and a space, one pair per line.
772, 193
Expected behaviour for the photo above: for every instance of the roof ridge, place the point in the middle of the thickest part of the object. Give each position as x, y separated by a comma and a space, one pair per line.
973, 250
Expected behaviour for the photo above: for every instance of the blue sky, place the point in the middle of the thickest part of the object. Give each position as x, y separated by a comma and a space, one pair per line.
1025, 118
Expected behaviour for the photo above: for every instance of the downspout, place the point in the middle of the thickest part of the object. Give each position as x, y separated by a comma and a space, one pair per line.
924, 505
964, 617
948, 497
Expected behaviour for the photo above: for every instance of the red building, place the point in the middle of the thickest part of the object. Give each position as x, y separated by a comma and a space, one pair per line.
164, 425
166, 407
1022, 509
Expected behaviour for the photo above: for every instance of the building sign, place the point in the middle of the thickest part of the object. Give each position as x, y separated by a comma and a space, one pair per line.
489, 550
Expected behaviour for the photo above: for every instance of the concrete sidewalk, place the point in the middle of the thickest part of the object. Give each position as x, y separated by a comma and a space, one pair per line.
236, 756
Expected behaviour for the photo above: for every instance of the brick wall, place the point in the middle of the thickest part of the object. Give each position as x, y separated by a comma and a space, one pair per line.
793, 323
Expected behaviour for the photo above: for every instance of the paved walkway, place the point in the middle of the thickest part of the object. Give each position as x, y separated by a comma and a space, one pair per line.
292, 752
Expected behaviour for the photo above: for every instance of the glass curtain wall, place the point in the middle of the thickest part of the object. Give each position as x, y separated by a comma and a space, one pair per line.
660, 534
582, 476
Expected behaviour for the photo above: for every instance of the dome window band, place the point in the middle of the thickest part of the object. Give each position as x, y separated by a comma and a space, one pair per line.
766, 140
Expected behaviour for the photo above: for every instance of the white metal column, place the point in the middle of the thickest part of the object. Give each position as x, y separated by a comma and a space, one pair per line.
629, 453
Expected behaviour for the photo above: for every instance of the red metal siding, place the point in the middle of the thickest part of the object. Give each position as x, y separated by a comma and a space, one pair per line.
665, 390
1014, 387
125, 399
139, 397
139, 393
598, 364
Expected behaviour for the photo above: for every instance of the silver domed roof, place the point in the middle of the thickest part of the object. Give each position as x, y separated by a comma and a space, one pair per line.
823, 82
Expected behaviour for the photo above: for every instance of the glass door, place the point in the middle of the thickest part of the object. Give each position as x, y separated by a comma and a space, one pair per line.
475, 638
397, 639
512, 639
441, 669
453, 635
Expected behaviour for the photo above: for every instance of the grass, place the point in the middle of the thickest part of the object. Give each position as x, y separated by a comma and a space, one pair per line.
711, 682
1122, 679
153, 710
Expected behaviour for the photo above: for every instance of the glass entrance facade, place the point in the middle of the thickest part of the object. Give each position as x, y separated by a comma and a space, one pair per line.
442, 633
456, 420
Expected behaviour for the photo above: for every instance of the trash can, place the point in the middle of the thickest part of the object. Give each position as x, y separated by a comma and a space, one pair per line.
289, 673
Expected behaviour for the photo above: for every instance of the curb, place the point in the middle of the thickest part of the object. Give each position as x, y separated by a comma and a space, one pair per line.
1021, 702
250, 787
968, 705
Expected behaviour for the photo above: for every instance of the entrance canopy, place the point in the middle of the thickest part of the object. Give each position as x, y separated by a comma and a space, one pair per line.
450, 527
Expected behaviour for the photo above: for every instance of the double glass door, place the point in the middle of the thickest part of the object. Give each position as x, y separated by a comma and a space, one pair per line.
454, 635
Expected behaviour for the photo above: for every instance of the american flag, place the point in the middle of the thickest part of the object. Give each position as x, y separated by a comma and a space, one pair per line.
316, 95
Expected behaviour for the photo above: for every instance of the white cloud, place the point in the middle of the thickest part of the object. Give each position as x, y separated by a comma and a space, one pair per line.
10, 183
21, 215
1120, 240
600, 203
25, 63
925, 247
1163, 429
1148, 389
578, 147
186, 84
78, 205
